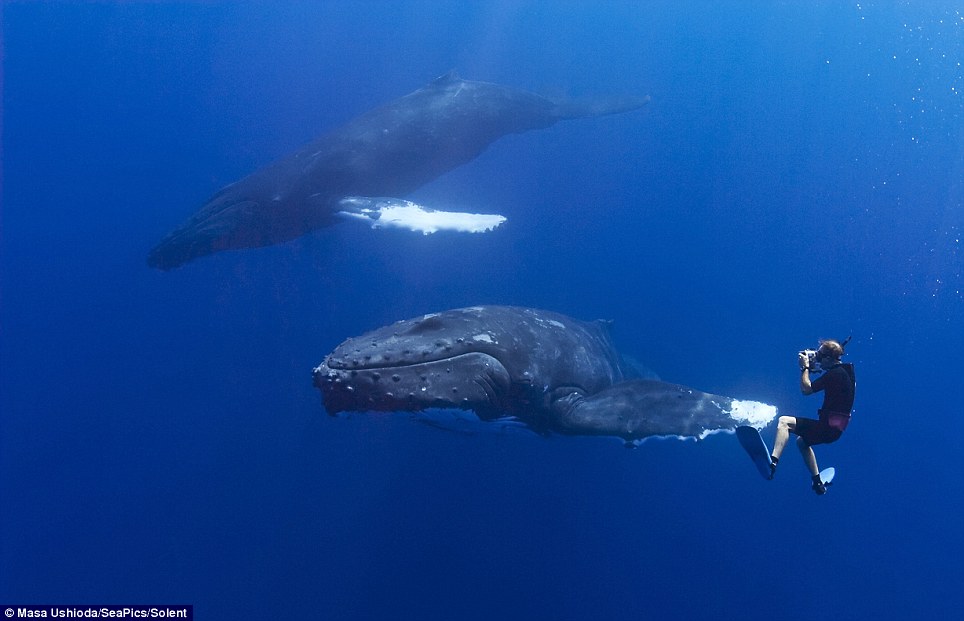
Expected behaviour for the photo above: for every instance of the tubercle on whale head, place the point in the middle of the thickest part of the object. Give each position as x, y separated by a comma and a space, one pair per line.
472, 381
410, 342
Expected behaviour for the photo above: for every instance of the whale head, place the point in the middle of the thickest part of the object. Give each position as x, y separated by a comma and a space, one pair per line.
430, 362
267, 207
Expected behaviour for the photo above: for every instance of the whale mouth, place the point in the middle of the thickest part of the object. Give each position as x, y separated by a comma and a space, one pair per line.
468, 381
384, 359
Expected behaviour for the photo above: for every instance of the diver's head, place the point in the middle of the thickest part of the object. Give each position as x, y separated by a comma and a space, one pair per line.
829, 352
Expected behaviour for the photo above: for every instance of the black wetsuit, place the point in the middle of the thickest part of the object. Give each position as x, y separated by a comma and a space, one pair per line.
838, 384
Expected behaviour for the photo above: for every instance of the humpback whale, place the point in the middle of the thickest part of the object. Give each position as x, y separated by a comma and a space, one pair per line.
547, 371
387, 152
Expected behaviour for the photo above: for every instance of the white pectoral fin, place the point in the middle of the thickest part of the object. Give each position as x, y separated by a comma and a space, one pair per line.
751, 413
402, 214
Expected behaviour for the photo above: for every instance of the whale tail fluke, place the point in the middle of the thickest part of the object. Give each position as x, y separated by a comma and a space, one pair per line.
599, 107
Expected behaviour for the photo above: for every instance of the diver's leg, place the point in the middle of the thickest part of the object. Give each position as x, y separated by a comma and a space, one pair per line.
784, 426
811, 460
808, 456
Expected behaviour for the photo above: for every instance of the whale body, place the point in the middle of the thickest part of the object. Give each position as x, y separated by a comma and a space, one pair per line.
387, 152
550, 372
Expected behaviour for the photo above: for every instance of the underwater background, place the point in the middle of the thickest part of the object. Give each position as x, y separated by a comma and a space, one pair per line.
798, 174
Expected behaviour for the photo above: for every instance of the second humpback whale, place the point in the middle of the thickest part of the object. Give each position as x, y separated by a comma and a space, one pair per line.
547, 371
387, 152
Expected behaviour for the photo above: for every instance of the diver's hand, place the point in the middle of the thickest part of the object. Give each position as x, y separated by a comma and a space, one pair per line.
803, 361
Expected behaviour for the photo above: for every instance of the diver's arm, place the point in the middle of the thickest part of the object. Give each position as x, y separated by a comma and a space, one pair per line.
805, 386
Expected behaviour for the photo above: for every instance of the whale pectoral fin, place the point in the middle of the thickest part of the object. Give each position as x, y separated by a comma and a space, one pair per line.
640, 409
387, 212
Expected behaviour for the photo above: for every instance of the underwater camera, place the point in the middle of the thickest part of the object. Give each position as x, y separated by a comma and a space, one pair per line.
811, 355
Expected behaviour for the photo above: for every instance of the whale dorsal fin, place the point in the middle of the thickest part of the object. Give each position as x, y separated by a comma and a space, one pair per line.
446, 78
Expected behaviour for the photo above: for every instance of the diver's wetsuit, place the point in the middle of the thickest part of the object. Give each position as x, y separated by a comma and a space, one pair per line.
839, 385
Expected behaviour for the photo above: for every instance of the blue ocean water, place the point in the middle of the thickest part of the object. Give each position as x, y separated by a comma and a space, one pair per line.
799, 174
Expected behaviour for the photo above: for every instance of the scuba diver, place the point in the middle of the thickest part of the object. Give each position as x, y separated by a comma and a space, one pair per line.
838, 384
